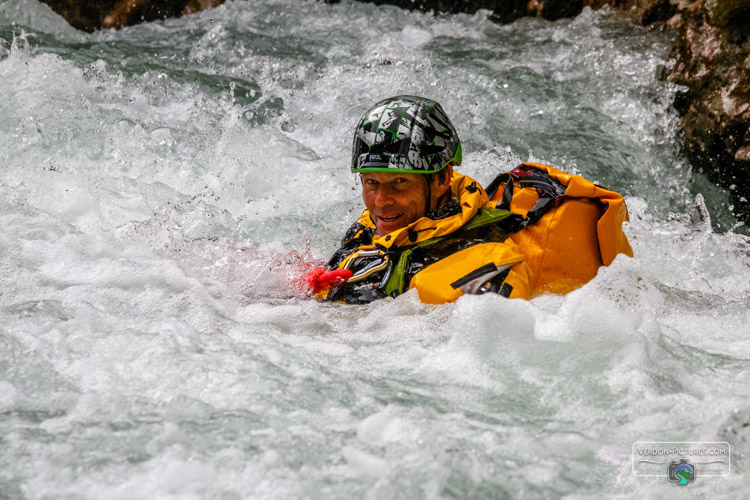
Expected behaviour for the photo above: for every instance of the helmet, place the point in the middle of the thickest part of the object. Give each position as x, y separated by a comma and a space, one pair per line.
405, 134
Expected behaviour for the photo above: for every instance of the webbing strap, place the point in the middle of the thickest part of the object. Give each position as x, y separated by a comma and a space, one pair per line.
495, 184
550, 191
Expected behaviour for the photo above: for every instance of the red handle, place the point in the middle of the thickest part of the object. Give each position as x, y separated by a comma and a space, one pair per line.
320, 279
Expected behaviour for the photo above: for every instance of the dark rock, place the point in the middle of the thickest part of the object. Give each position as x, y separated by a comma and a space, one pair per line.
712, 59
503, 11
554, 9
97, 14
733, 17
658, 11
510, 10
449, 6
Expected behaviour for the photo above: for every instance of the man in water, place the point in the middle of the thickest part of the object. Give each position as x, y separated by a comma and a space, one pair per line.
415, 232
430, 228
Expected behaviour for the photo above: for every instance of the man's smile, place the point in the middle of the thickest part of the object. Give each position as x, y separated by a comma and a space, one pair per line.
389, 218
386, 224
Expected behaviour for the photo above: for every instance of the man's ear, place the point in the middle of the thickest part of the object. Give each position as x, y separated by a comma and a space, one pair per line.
448, 174
444, 179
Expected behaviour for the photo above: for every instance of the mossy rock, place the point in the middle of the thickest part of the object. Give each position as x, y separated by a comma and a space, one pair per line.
733, 15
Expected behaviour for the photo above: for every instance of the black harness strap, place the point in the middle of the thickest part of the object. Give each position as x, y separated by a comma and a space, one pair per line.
550, 191
491, 188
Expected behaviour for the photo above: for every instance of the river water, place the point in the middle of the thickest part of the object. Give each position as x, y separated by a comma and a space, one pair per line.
162, 186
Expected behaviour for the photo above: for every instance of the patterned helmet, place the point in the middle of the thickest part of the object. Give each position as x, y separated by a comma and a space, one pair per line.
405, 134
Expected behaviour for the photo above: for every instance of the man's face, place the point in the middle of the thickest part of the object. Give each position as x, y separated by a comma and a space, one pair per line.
395, 200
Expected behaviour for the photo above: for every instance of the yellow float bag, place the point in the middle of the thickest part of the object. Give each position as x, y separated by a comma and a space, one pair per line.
571, 227
467, 270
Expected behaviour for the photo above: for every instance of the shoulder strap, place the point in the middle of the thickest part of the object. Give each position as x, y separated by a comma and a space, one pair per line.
550, 191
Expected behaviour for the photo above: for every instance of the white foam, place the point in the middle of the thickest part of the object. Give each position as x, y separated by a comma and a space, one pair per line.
8, 396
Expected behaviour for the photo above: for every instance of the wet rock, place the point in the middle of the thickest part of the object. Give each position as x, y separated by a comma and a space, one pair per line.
98, 14
509, 11
554, 9
503, 11
659, 10
712, 60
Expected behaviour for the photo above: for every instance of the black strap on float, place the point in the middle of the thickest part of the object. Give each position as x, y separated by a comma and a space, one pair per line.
550, 191
493, 186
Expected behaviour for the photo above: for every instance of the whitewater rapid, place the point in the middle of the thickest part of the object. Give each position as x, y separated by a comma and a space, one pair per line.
162, 187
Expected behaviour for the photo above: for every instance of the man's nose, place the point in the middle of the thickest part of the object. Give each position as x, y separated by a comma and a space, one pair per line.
383, 197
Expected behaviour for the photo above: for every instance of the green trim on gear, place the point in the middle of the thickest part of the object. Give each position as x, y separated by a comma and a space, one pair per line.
458, 156
395, 170
456, 160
